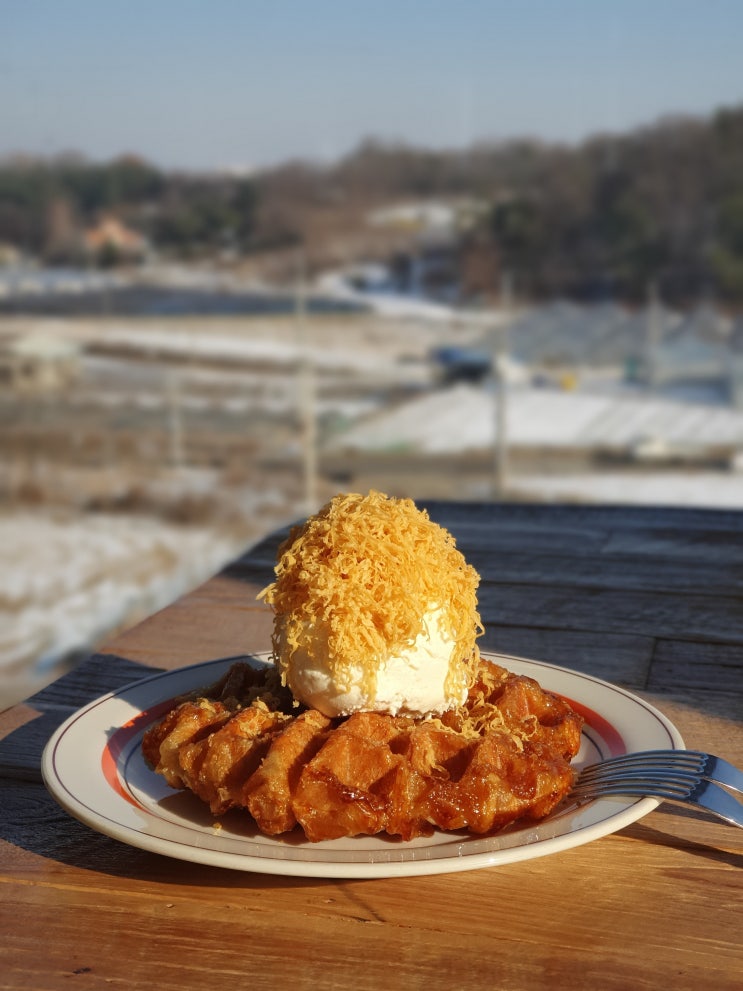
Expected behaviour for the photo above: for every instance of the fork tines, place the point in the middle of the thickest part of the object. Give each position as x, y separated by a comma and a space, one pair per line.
688, 777
664, 765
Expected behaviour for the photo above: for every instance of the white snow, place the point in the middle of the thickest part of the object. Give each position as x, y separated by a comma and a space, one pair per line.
463, 418
706, 489
67, 580
216, 346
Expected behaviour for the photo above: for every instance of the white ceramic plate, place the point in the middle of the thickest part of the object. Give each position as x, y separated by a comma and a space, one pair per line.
93, 767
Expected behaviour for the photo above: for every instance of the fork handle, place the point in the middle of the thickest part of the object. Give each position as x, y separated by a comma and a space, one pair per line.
717, 769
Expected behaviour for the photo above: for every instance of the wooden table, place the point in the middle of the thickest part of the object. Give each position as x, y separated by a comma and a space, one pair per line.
649, 599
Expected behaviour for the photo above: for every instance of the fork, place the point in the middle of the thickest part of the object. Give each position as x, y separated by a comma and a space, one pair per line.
686, 777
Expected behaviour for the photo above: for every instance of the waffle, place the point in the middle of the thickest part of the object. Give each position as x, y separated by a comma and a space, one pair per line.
242, 743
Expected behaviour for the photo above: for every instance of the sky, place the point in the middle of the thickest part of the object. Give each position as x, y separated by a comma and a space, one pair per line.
213, 84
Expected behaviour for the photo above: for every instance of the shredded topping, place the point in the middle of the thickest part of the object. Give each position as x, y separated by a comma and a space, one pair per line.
355, 582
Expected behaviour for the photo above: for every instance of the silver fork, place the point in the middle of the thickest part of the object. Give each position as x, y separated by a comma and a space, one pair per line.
686, 777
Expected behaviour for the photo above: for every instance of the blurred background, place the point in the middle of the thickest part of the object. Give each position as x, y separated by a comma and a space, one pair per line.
255, 254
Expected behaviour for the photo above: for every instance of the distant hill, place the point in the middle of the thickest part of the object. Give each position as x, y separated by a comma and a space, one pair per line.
600, 219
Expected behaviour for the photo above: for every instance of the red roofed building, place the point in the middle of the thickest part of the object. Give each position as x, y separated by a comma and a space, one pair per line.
110, 234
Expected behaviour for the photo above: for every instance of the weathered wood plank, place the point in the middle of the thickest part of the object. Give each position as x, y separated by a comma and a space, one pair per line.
644, 546
97, 675
566, 516
120, 915
617, 657
619, 571
698, 665
21, 749
653, 614
656, 552
716, 545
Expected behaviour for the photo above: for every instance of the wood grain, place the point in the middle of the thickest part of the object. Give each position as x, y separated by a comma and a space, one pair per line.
650, 599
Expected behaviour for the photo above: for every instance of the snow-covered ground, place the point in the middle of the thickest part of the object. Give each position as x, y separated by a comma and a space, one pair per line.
338, 286
336, 342
701, 489
233, 347
387, 303
647, 430
464, 418
68, 579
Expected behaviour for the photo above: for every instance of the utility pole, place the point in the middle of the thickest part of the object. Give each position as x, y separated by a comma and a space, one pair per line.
306, 394
653, 335
175, 420
500, 384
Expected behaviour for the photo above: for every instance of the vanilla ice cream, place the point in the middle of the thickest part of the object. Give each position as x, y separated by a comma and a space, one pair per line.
374, 610
413, 681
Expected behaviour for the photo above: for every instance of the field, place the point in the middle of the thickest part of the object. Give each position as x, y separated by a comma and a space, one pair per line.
160, 451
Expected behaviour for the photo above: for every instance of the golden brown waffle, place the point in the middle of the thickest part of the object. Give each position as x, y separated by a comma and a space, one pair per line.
502, 756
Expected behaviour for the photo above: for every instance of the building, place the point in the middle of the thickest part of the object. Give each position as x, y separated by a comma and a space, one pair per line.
110, 234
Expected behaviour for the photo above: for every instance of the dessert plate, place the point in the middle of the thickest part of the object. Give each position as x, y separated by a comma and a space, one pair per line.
93, 766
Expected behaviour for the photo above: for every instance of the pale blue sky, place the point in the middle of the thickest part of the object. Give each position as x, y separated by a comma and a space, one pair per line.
214, 83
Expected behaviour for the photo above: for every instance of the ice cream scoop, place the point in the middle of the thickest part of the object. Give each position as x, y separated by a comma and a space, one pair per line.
375, 610
412, 681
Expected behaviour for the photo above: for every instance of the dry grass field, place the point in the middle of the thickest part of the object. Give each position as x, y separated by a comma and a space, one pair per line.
158, 453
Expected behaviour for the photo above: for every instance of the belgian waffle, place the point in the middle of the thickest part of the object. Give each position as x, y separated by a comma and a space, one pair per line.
243, 743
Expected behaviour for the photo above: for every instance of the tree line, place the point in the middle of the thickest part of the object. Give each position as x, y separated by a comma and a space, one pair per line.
46, 204
662, 205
